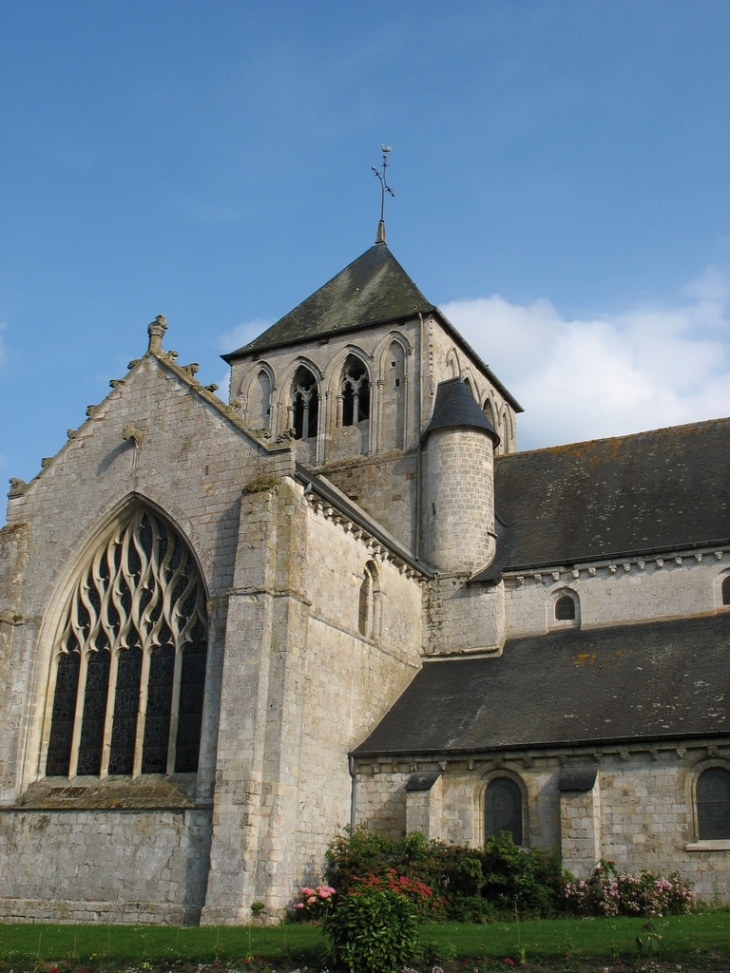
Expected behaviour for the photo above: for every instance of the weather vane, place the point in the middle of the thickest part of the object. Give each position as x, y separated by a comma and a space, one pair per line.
384, 188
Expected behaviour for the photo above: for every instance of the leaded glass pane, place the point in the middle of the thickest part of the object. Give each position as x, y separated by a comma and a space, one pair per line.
713, 804
126, 708
92, 726
159, 703
192, 684
564, 608
140, 593
64, 710
503, 809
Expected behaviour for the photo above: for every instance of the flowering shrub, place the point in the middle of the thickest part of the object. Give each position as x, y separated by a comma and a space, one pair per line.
418, 893
609, 893
314, 903
466, 884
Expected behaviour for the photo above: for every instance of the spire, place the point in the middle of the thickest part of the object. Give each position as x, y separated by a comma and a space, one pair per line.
380, 238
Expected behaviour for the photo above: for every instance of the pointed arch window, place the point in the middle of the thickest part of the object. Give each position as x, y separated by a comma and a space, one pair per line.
355, 391
260, 405
304, 404
131, 653
394, 398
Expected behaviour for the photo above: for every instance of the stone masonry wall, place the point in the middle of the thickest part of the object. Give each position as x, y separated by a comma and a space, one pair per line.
640, 813
103, 866
684, 585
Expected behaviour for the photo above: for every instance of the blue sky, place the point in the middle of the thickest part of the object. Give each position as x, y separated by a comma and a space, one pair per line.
561, 173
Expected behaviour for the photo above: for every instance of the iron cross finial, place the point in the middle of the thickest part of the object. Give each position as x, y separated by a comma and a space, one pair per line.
384, 188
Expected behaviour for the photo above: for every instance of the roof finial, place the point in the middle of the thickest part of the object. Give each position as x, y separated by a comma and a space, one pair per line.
384, 188
156, 330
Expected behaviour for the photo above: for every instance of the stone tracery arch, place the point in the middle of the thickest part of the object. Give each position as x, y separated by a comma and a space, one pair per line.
130, 656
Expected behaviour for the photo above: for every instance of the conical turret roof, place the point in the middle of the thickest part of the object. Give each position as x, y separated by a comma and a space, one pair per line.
455, 407
371, 290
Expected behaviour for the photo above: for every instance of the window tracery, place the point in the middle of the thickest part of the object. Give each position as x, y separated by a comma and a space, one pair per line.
355, 391
131, 658
304, 409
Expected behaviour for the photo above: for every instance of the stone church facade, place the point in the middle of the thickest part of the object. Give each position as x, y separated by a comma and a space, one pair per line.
228, 630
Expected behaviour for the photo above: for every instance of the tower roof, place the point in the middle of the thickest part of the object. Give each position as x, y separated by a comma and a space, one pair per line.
371, 290
455, 407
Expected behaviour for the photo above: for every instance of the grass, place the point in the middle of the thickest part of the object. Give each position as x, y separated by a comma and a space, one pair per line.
683, 938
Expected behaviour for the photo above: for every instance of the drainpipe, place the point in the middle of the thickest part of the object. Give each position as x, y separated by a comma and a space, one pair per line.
353, 795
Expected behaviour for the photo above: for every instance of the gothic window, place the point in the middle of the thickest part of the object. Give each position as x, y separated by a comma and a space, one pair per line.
304, 404
369, 602
131, 658
564, 609
503, 809
726, 591
260, 401
713, 804
355, 391
489, 413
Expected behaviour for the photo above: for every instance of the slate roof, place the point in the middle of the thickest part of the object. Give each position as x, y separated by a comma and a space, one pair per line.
663, 680
371, 290
455, 407
668, 489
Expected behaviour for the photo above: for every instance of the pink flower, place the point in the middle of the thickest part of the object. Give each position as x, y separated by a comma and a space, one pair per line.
323, 894
307, 891
311, 900
299, 905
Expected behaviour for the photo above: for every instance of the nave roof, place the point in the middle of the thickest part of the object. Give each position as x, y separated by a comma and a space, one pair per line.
656, 681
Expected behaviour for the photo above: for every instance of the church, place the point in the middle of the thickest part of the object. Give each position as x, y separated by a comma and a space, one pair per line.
344, 597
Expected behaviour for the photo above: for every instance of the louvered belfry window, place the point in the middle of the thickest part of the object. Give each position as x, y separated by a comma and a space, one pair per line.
130, 658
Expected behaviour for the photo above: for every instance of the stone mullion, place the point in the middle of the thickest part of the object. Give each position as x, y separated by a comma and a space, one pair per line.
141, 713
79, 714
106, 746
174, 712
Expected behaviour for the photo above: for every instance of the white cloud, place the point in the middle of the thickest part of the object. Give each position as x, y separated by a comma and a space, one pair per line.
242, 334
611, 375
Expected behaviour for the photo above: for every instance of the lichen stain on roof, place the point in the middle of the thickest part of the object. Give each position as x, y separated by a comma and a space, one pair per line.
607, 497
372, 289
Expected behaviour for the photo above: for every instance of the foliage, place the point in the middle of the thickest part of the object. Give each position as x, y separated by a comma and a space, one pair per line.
469, 885
610, 893
372, 931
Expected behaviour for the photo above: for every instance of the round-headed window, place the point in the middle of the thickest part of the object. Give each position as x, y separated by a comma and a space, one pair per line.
503, 809
713, 804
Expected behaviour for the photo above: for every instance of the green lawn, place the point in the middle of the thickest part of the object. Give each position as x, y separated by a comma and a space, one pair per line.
683, 938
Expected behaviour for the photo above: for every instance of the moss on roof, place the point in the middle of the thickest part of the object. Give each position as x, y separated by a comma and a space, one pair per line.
371, 290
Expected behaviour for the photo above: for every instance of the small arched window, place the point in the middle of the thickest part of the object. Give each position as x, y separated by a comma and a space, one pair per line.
355, 391
503, 809
304, 408
565, 609
131, 658
726, 591
368, 604
713, 804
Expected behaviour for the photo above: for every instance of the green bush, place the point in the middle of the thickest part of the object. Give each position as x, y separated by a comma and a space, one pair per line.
373, 931
468, 884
